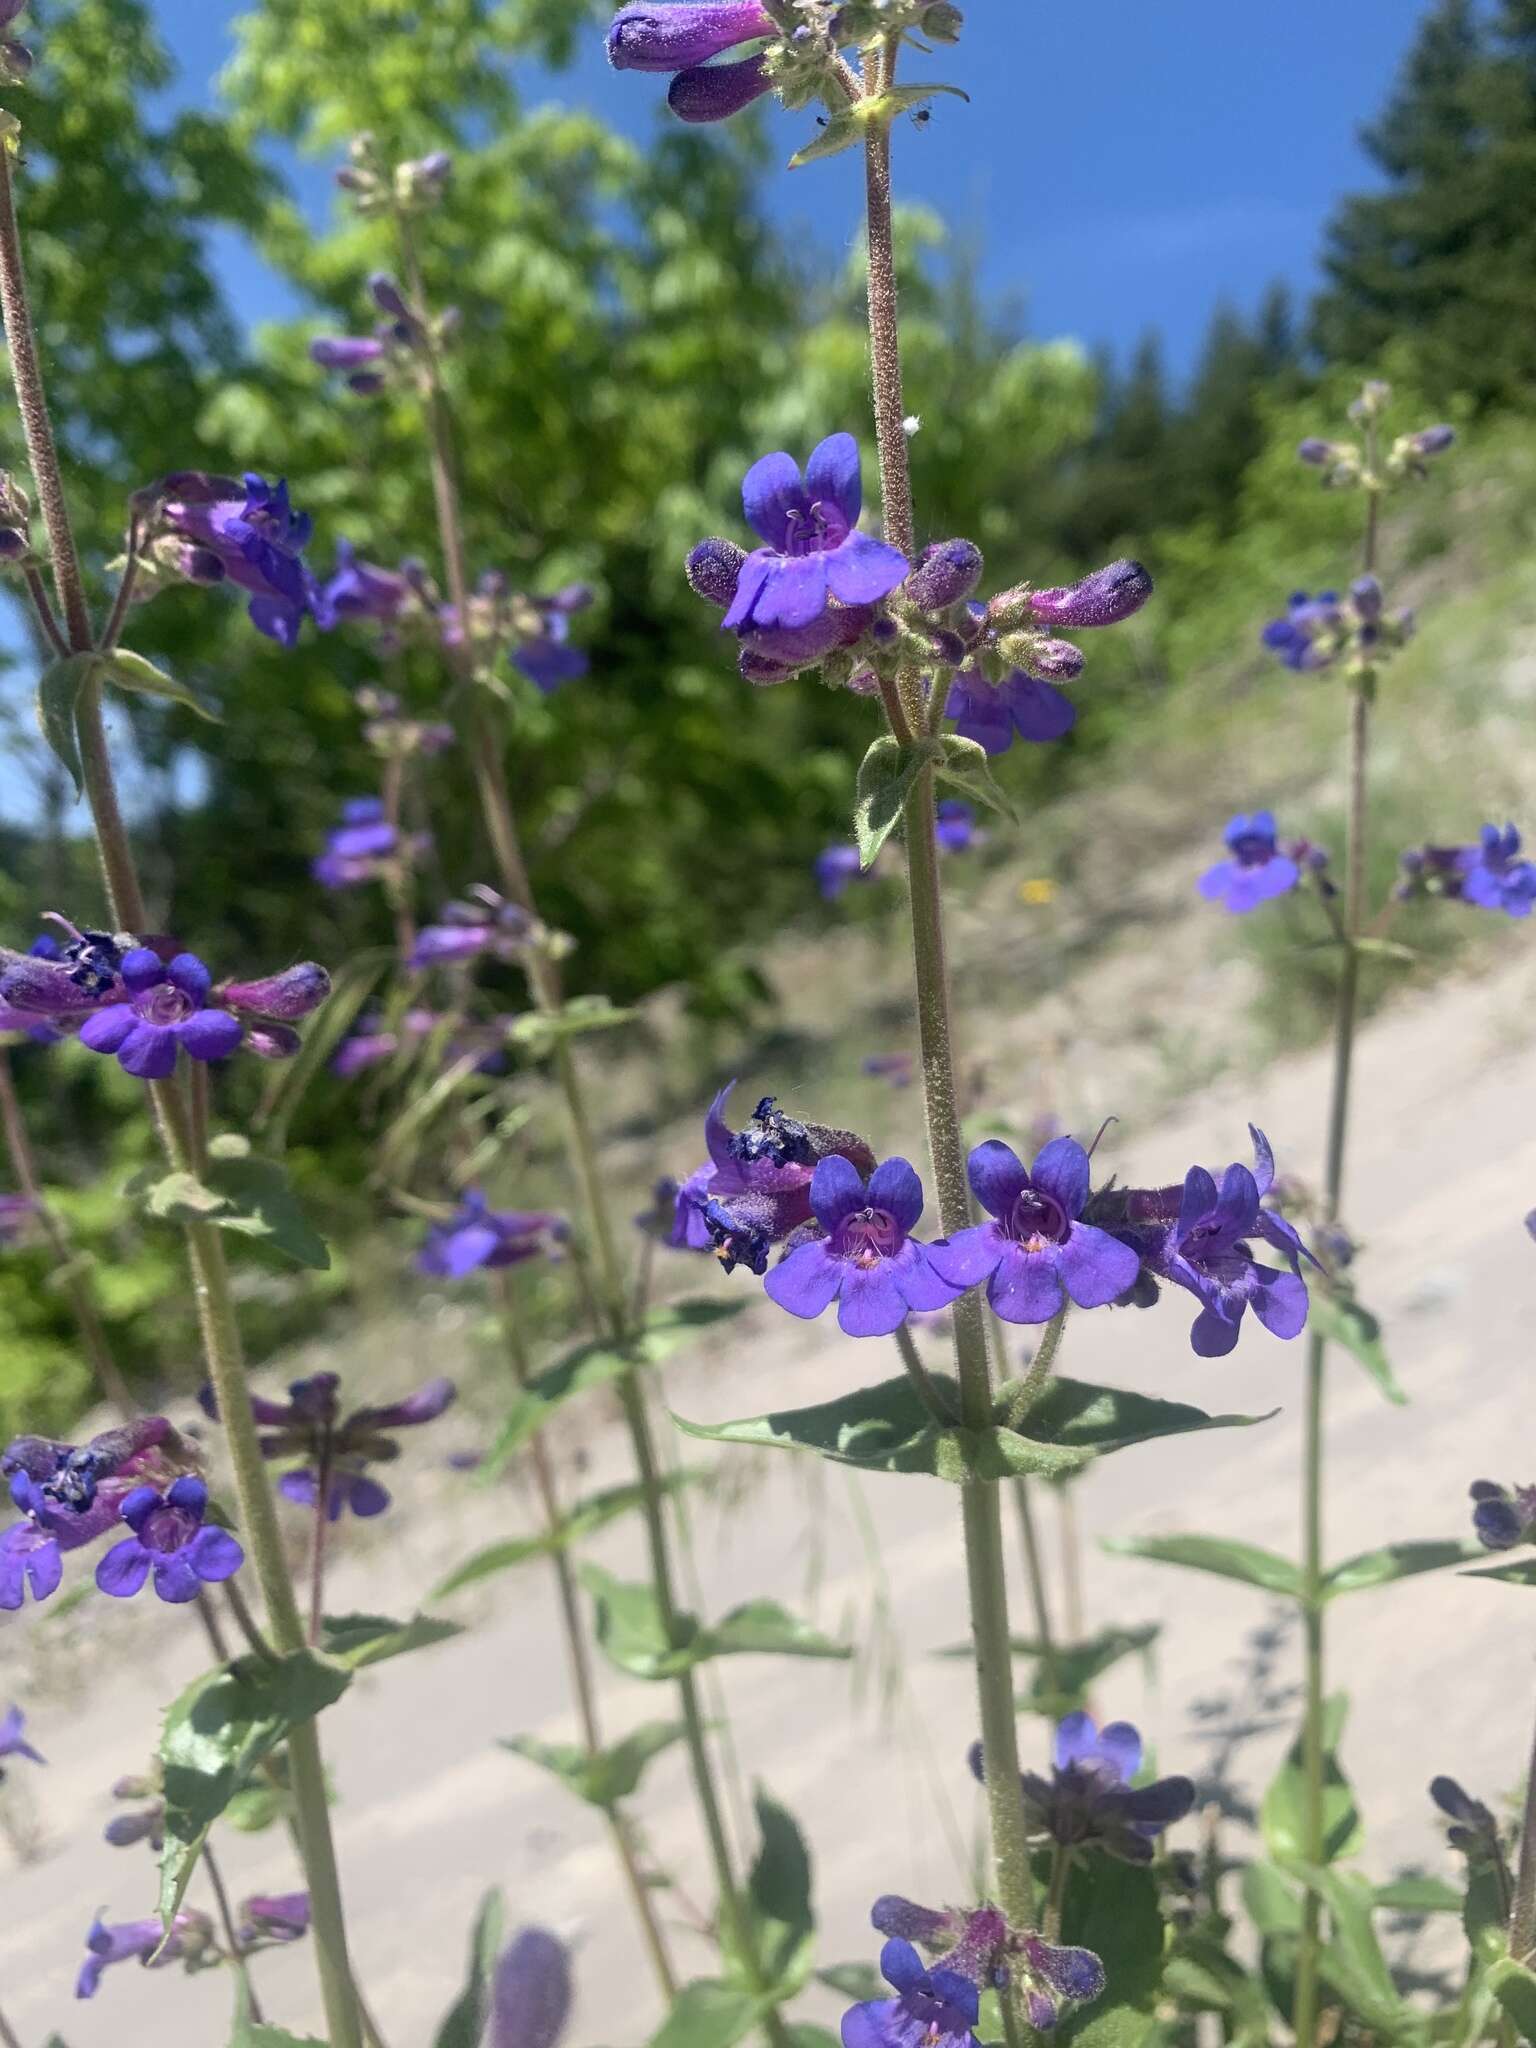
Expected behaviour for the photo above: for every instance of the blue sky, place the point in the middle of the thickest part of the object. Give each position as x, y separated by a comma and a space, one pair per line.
1120, 165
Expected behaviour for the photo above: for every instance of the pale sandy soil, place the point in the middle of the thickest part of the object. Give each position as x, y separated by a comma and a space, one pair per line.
430, 1810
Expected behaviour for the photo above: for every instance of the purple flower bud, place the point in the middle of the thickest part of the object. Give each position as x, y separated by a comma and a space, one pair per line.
432, 169
1058, 659
387, 296
713, 92
671, 35
271, 1041
904, 1920
714, 569
945, 573
366, 383
1432, 440
948, 646
9, 9
12, 544
1365, 595
1318, 453
531, 1992
344, 351
293, 993
1102, 599
18, 59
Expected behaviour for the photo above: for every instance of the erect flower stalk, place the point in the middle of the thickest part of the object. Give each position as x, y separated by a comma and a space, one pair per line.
487, 759
205, 1251
980, 1506
1345, 1018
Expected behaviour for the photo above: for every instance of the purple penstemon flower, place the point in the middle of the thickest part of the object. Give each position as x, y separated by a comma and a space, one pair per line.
1036, 1253
491, 924
938, 2002
955, 826
1502, 1516
713, 92
167, 1012
362, 590
362, 848
758, 1185
272, 1919
13, 1740
477, 1235
252, 531
1308, 636
308, 1426
1256, 871
1207, 1251
530, 1991
1020, 704
674, 35
933, 2008
836, 867
170, 1539
70, 1494
1495, 877
140, 1941
546, 658
813, 551
867, 1261
676, 1215
1090, 1800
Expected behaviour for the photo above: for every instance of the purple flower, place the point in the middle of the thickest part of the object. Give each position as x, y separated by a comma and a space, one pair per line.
813, 550
345, 351
1474, 1830
530, 1992
980, 1950
253, 532
308, 1426
546, 658
12, 1741
274, 1918
758, 1185
672, 35
935, 2008
125, 1830
676, 1218
30, 1561
137, 1941
955, 827
1503, 1516
170, 1538
1090, 1801
836, 867
895, 1067
362, 590
360, 849
477, 1235
69, 1495
464, 930
867, 1261
1257, 870
1305, 638
16, 1213
1105, 598
167, 1012
1494, 877
713, 92
1036, 1253
992, 713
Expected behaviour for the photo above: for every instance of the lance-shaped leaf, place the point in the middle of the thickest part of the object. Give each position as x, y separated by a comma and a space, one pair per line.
1065, 1671
779, 1894
464, 2023
966, 767
215, 1735
1520, 1571
578, 1521
709, 2014
1395, 1561
132, 672
1351, 1962
608, 1775
240, 1192
1514, 1986
1224, 1556
58, 693
1283, 1815
1417, 1895
886, 775
358, 1639
634, 1636
1342, 1320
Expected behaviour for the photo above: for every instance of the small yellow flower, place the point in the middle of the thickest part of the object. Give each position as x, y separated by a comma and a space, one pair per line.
1038, 889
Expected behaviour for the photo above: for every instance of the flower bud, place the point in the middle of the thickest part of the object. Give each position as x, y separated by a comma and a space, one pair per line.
713, 92
345, 351
13, 545
655, 36
948, 646
942, 22
904, 1920
293, 993
367, 383
1375, 396
16, 60
1105, 598
714, 569
1431, 440
271, 1041
1318, 453
531, 1992
946, 573
1058, 659
1365, 596
387, 296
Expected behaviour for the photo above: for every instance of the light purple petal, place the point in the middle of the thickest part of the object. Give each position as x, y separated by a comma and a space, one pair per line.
837, 1190
1076, 1739
871, 1303
1026, 1288
214, 1554
148, 1053
794, 591
1263, 1160
1061, 1168
1281, 1303
862, 570
832, 476
749, 584
770, 490
1095, 1267
1121, 1745
106, 1030
1212, 1334
968, 1256
921, 1286
124, 1569
895, 1188
457, 1252
997, 1177
211, 1034
299, 1487
806, 1281
1040, 711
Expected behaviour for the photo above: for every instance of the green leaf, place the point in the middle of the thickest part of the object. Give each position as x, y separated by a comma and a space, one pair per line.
1200, 1973
58, 692
1351, 1961
1417, 1895
966, 766
214, 1736
1112, 1908
1075, 1665
1395, 1561
464, 2023
1223, 1555
633, 1636
257, 1808
886, 1428
132, 672
804, 2035
1271, 1900
1283, 1814
596, 1364
1342, 1320
611, 1774
859, 1981
779, 1892
1522, 1572
581, 1520
358, 1639
1485, 1917
541, 1031
241, 1192
708, 2014
838, 132
247, 2034
1514, 1986
886, 775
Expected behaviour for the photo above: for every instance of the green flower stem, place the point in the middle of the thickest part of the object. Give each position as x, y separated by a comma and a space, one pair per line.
205, 1251
979, 1502
922, 1379
486, 754
70, 1275
1061, 1870
1522, 1913
1346, 1017
1029, 1544
1032, 1385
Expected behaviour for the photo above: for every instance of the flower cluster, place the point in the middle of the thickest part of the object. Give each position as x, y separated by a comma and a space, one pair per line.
937, 2004
211, 529
1258, 868
335, 1452
1320, 632
1493, 875
67, 1495
1503, 1516
365, 847
1091, 1800
1348, 464
169, 1538
484, 924
189, 1940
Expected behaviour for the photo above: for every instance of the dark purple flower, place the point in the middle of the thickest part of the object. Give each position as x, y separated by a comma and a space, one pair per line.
758, 1188
126, 1830
362, 590
1306, 638
979, 1951
13, 1741
1494, 877
867, 1261
955, 826
491, 924
360, 849
166, 1012
252, 530
274, 1917
1503, 1516
345, 351
813, 550
1105, 598
671, 35
935, 2008
837, 866
546, 658
169, 1538
678, 1218
137, 1941
69, 1495
308, 1426
1474, 1830
946, 574
1090, 1800
530, 1992
992, 713
1431, 440
713, 92
1036, 1253
16, 1214
345, 1488
477, 1235
895, 1067
1257, 869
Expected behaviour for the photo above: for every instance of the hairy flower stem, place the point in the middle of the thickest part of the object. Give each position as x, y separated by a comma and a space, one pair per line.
1345, 1018
237, 1954
577, 1653
70, 1275
1029, 1545
1522, 1913
205, 1250
979, 1501
486, 756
